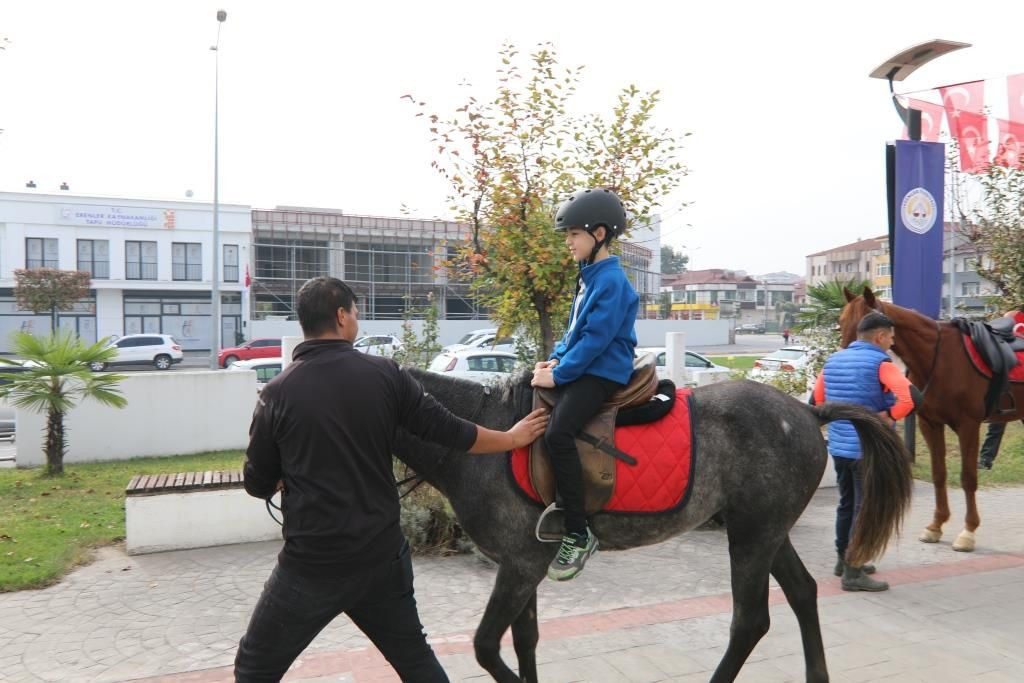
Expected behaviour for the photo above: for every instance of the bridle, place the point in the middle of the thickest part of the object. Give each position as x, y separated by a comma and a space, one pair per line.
935, 354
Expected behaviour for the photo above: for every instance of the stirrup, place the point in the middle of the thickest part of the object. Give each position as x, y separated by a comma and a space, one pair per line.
549, 536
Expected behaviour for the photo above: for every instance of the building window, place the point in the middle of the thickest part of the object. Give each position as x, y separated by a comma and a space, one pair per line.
849, 267
230, 263
41, 253
140, 260
882, 269
187, 261
970, 265
969, 289
94, 258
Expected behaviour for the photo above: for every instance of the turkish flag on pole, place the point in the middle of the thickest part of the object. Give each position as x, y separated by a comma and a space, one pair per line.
964, 103
1011, 143
931, 118
1015, 95
248, 280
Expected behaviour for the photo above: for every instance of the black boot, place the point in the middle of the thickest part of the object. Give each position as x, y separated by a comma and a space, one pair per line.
854, 579
840, 563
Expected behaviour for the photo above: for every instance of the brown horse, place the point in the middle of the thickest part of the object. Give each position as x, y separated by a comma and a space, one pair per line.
954, 395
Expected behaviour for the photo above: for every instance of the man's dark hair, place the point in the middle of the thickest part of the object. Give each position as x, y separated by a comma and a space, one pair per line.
874, 321
318, 302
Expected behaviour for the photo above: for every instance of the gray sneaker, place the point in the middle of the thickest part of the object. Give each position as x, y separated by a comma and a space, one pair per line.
572, 555
854, 579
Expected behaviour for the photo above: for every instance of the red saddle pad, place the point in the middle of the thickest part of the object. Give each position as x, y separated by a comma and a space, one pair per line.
1016, 373
665, 452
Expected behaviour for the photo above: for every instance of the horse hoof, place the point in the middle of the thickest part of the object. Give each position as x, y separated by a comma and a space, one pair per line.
964, 543
929, 536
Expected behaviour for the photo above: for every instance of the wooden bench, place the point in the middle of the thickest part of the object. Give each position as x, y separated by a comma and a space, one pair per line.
143, 484
179, 510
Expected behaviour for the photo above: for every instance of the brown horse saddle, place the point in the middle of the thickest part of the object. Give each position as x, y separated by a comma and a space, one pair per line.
997, 345
596, 443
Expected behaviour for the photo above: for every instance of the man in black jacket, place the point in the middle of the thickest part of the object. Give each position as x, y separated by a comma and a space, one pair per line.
322, 432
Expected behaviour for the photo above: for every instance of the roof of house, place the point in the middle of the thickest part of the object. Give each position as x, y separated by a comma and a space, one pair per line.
702, 277
859, 245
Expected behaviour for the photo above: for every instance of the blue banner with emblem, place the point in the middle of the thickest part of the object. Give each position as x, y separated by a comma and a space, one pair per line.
917, 238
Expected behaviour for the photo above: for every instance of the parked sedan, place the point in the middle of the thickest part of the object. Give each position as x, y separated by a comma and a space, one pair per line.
696, 364
786, 359
254, 348
378, 345
266, 369
479, 365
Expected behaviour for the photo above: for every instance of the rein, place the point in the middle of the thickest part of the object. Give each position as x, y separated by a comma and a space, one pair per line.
935, 358
418, 478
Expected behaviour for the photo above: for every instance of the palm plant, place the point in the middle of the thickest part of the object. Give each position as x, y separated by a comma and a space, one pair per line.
825, 302
57, 378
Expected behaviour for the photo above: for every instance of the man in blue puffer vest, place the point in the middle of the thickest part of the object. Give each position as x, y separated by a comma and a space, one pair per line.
861, 373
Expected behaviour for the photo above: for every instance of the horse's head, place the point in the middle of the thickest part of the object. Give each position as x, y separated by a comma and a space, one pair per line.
857, 306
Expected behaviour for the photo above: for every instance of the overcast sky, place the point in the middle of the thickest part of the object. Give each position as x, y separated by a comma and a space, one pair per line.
786, 151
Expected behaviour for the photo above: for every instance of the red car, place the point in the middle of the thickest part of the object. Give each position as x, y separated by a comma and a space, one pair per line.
255, 348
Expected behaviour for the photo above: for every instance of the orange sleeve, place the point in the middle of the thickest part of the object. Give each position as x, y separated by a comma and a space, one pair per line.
819, 389
893, 380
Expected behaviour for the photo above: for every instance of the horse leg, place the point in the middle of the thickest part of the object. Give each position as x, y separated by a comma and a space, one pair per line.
968, 435
935, 437
512, 593
802, 593
524, 638
750, 559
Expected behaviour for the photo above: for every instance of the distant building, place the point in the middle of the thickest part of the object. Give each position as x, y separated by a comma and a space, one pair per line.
870, 260
718, 293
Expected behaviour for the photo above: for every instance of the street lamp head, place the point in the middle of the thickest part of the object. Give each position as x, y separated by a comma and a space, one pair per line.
221, 15
901, 65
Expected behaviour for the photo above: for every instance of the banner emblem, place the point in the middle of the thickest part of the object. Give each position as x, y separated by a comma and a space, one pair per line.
919, 210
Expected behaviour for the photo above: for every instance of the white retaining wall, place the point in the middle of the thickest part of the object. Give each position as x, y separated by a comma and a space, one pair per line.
648, 332
196, 519
168, 413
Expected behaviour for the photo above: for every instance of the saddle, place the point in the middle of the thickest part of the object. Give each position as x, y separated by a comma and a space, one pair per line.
997, 345
596, 442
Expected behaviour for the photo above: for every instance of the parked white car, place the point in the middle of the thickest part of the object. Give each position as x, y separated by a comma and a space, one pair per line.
159, 350
479, 365
266, 369
378, 344
786, 359
696, 364
471, 339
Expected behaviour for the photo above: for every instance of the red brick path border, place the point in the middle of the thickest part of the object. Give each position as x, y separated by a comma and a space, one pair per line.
368, 666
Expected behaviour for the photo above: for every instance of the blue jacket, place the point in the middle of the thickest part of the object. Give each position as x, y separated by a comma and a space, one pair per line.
602, 339
851, 375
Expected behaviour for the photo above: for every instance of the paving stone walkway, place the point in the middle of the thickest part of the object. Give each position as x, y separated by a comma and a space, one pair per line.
178, 616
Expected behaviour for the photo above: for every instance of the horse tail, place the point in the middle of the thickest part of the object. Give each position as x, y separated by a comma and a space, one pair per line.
886, 479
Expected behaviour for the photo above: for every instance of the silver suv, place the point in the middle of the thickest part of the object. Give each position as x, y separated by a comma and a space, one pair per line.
160, 350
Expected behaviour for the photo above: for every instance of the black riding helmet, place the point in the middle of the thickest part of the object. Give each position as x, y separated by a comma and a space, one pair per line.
591, 209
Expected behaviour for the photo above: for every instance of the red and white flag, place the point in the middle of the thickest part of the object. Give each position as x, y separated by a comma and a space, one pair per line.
1015, 97
931, 118
1011, 144
964, 103
248, 280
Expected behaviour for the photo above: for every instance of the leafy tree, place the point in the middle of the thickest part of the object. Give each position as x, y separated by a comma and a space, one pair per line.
48, 290
997, 229
672, 261
57, 379
512, 157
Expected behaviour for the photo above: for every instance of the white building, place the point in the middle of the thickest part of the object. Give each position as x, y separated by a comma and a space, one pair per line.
150, 261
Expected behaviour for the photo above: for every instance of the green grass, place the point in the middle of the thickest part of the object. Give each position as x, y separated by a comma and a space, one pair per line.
50, 524
1008, 468
735, 362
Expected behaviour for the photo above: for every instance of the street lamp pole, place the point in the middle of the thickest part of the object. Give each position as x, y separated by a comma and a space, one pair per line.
215, 323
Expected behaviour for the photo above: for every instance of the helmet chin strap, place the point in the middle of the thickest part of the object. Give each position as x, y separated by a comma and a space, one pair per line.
597, 245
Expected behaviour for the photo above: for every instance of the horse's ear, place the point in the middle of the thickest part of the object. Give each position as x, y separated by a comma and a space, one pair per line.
869, 297
850, 296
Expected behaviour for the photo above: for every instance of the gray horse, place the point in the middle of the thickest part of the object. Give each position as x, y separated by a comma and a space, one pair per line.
761, 457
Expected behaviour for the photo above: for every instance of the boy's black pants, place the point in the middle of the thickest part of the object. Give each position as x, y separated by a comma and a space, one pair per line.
578, 402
